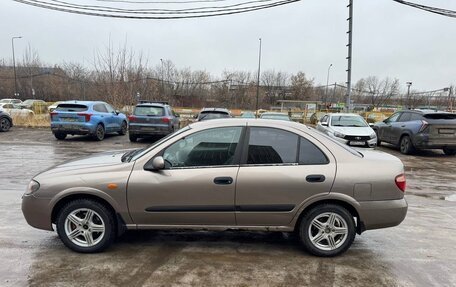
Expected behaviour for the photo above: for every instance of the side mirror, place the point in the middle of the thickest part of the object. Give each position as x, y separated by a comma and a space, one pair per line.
177, 115
324, 124
158, 163
117, 112
195, 116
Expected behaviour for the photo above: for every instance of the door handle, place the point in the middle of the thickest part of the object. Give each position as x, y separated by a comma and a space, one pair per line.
315, 178
224, 180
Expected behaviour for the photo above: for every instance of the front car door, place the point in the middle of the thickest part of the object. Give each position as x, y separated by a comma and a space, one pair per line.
279, 171
115, 122
385, 128
398, 127
197, 186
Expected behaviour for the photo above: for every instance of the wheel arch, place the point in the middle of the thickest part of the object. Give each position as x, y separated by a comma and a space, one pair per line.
353, 211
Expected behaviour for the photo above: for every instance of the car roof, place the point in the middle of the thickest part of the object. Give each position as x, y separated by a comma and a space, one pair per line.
245, 122
344, 114
86, 103
275, 113
152, 104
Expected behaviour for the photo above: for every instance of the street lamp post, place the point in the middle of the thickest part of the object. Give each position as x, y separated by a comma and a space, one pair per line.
162, 78
14, 66
327, 83
258, 80
409, 84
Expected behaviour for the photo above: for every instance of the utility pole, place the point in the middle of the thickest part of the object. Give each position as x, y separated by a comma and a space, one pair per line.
258, 81
162, 79
14, 66
349, 57
327, 83
409, 84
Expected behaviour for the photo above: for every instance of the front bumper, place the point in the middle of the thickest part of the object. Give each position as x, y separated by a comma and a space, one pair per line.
369, 143
37, 212
382, 214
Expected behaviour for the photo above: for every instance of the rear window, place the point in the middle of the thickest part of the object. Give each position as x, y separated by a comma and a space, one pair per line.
71, 108
441, 116
213, 115
149, 111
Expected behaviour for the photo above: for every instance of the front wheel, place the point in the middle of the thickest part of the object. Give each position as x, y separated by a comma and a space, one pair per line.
327, 230
5, 124
449, 151
60, 136
123, 129
86, 226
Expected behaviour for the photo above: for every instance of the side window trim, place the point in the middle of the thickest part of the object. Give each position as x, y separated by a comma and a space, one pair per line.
237, 153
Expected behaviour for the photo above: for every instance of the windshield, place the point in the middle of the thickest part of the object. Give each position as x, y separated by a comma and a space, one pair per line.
157, 143
348, 121
149, 111
212, 115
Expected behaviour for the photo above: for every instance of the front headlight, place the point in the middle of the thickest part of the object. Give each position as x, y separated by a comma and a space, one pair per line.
339, 135
373, 135
32, 187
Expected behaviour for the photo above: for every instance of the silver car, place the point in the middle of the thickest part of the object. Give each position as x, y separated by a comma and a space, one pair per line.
349, 129
246, 174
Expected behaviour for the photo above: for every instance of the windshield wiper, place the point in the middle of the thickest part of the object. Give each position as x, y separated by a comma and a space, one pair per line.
130, 154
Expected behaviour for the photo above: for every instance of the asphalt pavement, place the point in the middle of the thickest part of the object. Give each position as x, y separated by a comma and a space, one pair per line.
419, 252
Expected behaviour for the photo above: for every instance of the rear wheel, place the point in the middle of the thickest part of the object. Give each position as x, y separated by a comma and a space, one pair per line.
406, 145
133, 138
60, 136
86, 226
123, 129
449, 151
327, 230
5, 124
99, 132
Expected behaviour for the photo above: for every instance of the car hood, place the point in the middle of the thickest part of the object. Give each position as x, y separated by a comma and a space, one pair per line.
354, 131
93, 161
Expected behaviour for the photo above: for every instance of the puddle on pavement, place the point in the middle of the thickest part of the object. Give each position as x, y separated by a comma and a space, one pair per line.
451, 197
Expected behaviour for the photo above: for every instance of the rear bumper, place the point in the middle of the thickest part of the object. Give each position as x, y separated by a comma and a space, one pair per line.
73, 128
145, 130
382, 214
424, 141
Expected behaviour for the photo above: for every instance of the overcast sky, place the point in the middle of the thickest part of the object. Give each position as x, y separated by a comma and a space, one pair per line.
389, 39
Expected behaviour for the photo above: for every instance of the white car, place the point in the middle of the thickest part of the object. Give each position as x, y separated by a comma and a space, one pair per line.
10, 101
350, 129
16, 111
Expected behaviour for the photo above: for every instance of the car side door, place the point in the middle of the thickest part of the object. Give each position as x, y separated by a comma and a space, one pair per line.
103, 115
115, 122
385, 129
279, 171
398, 127
197, 185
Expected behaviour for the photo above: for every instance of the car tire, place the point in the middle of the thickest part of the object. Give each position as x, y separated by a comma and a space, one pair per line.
406, 145
379, 142
5, 124
99, 132
323, 238
60, 136
123, 129
78, 219
449, 151
133, 138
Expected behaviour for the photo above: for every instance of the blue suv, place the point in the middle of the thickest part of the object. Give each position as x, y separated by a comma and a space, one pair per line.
87, 118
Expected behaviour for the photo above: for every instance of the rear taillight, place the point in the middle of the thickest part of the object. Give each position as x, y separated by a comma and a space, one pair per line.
424, 125
131, 118
86, 116
166, 120
53, 114
400, 182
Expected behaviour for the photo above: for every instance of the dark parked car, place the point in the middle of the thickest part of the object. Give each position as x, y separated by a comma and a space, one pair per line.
87, 118
5, 121
419, 129
152, 119
213, 113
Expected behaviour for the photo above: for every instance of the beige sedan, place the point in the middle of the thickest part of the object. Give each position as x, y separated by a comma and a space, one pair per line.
245, 174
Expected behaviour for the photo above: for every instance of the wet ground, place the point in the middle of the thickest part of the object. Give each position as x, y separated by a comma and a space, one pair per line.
419, 252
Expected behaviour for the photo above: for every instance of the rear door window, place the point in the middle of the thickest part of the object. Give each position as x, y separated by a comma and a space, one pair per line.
151, 111
405, 117
310, 154
101, 108
416, 117
272, 146
71, 108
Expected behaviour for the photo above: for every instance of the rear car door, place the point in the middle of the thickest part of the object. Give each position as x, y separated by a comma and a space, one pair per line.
197, 186
279, 171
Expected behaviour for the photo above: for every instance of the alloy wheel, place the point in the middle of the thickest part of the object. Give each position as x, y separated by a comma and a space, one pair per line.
4, 124
328, 231
84, 227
